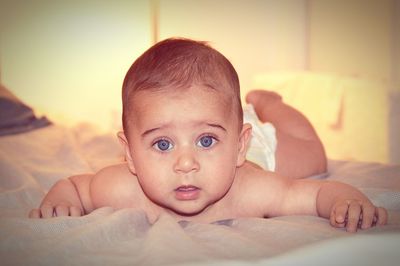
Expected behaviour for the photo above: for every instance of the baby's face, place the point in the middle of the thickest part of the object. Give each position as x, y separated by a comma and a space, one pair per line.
184, 147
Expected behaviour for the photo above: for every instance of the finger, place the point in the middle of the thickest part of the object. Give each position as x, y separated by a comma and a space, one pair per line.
46, 210
382, 215
353, 216
34, 214
61, 210
75, 211
333, 221
368, 213
340, 213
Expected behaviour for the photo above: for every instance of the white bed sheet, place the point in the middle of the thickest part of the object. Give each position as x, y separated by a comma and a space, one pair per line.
31, 162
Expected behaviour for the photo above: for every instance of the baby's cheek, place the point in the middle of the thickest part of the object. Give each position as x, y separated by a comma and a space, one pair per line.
225, 173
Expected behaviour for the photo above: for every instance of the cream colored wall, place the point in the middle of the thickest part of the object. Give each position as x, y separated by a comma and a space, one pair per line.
352, 37
395, 95
256, 36
396, 46
362, 39
68, 58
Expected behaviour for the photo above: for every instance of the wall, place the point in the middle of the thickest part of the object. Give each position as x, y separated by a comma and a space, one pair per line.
394, 132
351, 37
361, 38
256, 36
68, 58
396, 45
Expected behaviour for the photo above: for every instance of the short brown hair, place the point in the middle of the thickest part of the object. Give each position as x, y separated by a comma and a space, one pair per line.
179, 63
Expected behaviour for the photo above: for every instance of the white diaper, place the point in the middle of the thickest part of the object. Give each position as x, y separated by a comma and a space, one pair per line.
263, 140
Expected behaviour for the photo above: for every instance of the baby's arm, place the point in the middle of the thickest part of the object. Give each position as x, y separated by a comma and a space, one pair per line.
342, 204
68, 197
345, 206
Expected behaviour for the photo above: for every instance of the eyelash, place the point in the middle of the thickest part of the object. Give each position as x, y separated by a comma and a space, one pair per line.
215, 140
154, 145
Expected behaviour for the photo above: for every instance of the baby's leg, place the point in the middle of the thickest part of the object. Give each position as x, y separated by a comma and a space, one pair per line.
300, 152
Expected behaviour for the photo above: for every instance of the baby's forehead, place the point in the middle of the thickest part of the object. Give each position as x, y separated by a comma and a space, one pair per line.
204, 98
218, 94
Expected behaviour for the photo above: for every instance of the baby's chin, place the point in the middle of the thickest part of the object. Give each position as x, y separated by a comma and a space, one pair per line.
188, 212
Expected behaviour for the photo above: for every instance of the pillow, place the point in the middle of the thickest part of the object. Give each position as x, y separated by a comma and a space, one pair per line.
15, 116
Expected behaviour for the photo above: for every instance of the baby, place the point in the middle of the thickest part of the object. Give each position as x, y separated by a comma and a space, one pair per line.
185, 145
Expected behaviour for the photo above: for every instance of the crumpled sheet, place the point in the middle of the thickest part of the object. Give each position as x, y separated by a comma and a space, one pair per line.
31, 162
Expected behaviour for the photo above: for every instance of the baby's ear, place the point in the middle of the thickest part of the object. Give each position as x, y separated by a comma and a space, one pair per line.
244, 142
128, 157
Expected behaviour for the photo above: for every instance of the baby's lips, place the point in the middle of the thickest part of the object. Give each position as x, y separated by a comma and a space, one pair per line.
187, 192
186, 188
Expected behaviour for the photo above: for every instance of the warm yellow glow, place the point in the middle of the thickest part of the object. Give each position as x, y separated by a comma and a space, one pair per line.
254, 35
68, 59
349, 114
352, 37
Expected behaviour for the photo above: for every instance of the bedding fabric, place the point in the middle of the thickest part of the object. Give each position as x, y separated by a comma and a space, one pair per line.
31, 162
15, 116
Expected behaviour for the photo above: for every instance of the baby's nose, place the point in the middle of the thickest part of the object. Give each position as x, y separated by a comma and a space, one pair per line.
186, 162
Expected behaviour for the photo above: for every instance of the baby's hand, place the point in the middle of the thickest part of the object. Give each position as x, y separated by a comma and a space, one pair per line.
354, 214
49, 210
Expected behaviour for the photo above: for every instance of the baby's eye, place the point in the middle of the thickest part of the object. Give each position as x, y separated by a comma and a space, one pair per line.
206, 141
163, 145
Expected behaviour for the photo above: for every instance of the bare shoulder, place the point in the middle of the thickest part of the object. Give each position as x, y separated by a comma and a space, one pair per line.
276, 195
259, 190
115, 186
251, 175
115, 172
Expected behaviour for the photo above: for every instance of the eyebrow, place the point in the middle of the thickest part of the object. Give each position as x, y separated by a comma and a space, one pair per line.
149, 131
216, 126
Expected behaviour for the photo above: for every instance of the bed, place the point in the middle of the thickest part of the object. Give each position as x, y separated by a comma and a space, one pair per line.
34, 153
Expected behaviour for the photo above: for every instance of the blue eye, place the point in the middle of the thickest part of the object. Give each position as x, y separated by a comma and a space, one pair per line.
207, 141
163, 145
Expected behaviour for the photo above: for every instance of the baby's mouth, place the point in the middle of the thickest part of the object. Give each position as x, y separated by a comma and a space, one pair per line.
187, 192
